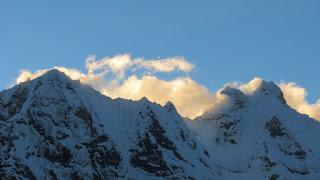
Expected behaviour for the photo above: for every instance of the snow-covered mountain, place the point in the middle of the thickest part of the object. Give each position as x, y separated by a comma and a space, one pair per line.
56, 128
258, 136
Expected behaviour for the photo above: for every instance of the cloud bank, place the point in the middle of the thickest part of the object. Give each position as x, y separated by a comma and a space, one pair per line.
190, 98
109, 75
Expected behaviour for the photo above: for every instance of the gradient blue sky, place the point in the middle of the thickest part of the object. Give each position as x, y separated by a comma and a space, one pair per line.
226, 40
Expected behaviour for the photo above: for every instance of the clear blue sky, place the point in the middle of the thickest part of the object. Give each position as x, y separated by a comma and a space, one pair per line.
227, 40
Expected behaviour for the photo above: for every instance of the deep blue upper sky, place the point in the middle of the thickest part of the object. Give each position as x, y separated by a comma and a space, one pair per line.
227, 40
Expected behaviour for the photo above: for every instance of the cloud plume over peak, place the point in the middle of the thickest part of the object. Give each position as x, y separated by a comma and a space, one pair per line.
296, 98
190, 98
294, 95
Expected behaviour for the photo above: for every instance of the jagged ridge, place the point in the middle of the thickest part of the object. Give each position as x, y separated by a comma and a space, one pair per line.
53, 127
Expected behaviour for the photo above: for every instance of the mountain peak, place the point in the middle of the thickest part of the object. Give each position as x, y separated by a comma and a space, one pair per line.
170, 106
144, 100
257, 89
232, 92
55, 74
269, 88
237, 97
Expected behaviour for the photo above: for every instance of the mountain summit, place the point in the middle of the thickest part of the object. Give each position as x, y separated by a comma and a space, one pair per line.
258, 135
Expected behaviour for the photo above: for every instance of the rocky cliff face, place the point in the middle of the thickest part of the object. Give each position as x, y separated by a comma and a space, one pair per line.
56, 128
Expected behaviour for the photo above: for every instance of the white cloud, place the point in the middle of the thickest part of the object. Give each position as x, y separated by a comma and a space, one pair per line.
250, 87
166, 65
26, 75
117, 64
296, 98
247, 88
190, 98
120, 63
